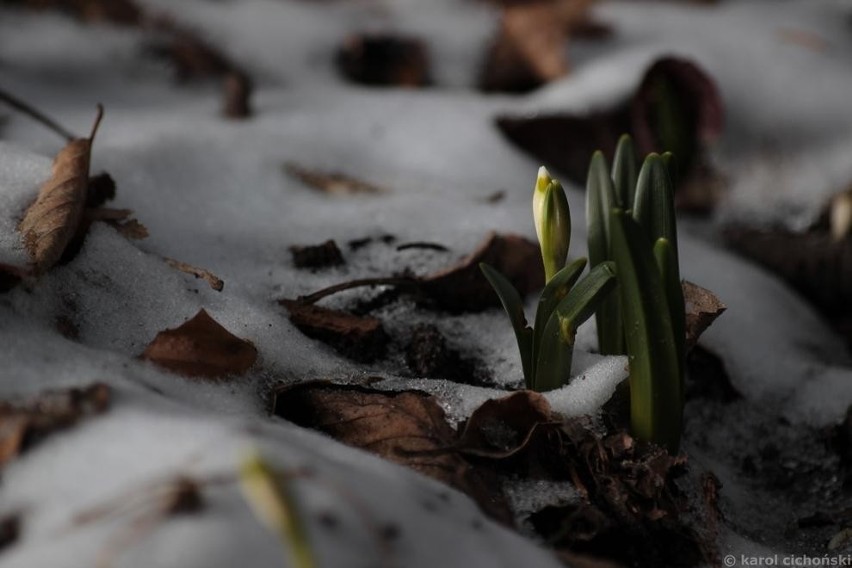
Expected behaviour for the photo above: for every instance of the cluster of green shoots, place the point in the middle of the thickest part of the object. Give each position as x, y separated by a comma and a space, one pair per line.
632, 240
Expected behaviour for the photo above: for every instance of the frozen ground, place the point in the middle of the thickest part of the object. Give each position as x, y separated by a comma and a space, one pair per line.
212, 193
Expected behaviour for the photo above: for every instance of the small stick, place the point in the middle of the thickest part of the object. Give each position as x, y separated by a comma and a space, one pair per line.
423, 245
25, 108
361, 282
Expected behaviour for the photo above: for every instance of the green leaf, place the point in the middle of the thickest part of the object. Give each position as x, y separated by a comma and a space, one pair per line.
670, 276
656, 397
273, 503
624, 172
553, 367
600, 198
514, 307
556, 289
671, 167
654, 205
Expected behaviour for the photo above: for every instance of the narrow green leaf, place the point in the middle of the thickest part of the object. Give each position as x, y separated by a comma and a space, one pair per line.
555, 290
624, 172
272, 503
670, 276
514, 307
656, 398
654, 205
600, 198
553, 367
671, 167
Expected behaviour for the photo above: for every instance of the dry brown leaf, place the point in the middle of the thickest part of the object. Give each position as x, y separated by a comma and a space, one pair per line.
332, 183
238, 89
502, 427
670, 86
214, 281
24, 424
317, 256
361, 338
201, 348
51, 222
462, 287
702, 309
403, 427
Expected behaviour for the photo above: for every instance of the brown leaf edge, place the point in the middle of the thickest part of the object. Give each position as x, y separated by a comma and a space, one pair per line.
406, 427
51, 222
702, 309
201, 348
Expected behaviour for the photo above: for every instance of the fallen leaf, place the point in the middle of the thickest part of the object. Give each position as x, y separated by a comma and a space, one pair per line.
101, 188
214, 281
52, 220
530, 49
502, 427
119, 219
462, 287
671, 91
702, 308
403, 427
333, 183
24, 424
384, 60
201, 348
317, 256
361, 338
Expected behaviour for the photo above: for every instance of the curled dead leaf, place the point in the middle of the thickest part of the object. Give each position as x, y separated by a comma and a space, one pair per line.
317, 256
403, 427
676, 107
502, 427
51, 222
702, 309
24, 424
201, 348
462, 287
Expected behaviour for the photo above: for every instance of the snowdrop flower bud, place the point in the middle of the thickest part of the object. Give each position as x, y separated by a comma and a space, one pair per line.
552, 222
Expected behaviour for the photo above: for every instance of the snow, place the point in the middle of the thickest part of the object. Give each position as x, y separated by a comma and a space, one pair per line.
213, 193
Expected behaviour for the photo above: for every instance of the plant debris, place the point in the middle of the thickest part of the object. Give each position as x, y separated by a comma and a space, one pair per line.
52, 220
201, 348
214, 281
23, 425
361, 338
427, 354
317, 256
403, 427
101, 188
672, 92
530, 49
383, 60
702, 309
238, 89
500, 428
333, 183
423, 246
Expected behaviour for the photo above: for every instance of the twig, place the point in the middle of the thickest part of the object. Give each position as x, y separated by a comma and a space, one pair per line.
423, 245
27, 109
359, 283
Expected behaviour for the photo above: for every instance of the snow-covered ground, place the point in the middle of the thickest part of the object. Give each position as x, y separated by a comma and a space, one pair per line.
212, 192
